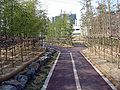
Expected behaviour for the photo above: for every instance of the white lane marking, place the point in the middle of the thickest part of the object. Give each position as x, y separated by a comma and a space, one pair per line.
50, 73
65, 53
75, 73
106, 80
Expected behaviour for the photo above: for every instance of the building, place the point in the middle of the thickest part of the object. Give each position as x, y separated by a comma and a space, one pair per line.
76, 28
71, 17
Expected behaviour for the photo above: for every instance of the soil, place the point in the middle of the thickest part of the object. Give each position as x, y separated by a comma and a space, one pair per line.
14, 66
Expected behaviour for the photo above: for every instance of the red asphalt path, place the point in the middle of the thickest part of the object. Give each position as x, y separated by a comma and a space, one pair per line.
63, 77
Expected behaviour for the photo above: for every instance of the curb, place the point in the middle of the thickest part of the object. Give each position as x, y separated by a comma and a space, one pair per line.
106, 80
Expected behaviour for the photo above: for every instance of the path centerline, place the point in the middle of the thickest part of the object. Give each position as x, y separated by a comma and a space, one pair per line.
75, 73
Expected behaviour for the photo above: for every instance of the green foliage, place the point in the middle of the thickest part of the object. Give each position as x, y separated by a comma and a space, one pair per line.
61, 28
22, 18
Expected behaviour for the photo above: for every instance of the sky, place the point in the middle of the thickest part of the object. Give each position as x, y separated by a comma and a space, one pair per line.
54, 7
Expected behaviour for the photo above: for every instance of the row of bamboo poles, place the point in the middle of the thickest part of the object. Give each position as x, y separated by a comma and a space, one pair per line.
103, 32
14, 52
17, 45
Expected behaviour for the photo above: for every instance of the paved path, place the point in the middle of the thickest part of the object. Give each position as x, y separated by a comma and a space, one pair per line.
73, 72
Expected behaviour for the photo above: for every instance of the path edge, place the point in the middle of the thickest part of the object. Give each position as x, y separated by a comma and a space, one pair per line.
50, 73
106, 79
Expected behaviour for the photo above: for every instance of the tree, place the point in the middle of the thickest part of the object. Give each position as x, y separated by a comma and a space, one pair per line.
61, 29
